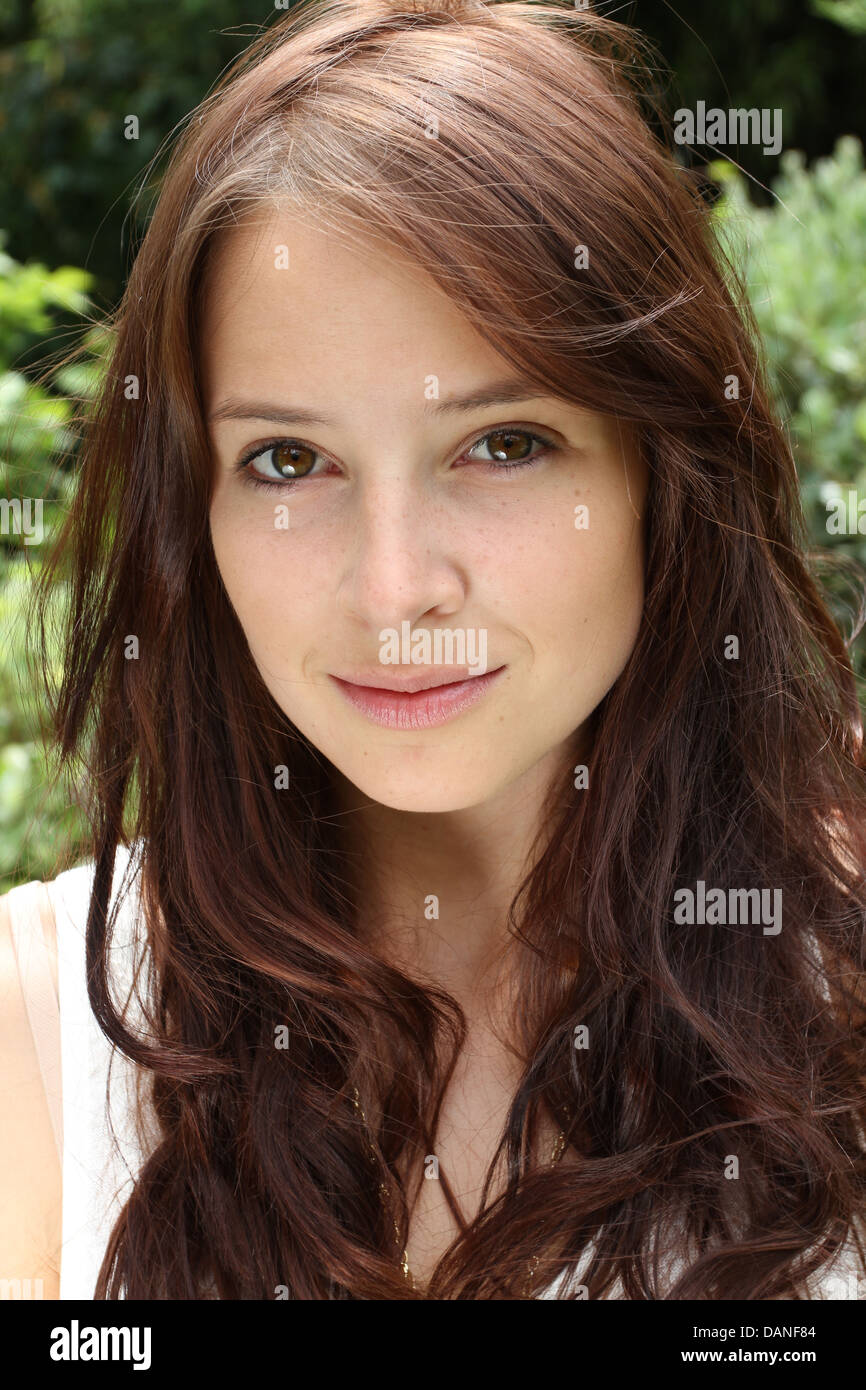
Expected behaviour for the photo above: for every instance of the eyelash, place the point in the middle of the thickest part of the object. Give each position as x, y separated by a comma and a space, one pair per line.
251, 480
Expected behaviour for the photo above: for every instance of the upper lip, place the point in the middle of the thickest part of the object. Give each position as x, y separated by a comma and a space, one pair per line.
409, 685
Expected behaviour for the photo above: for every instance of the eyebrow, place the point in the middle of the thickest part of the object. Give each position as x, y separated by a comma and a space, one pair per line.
499, 393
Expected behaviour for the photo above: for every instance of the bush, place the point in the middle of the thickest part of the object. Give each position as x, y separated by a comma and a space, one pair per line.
803, 259
36, 446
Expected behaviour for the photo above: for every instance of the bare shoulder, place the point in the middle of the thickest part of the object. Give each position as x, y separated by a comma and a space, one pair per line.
30, 1171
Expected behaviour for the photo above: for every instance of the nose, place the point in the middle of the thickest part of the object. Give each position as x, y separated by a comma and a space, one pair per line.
400, 558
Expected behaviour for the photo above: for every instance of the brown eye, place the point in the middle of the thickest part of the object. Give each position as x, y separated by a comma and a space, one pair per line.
279, 464
510, 449
293, 460
509, 446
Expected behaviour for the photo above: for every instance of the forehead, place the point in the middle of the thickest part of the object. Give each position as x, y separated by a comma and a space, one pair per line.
282, 294
352, 329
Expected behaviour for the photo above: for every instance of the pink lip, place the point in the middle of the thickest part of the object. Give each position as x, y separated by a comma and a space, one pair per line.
417, 709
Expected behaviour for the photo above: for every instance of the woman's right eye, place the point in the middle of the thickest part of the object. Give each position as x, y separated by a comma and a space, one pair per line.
286, 461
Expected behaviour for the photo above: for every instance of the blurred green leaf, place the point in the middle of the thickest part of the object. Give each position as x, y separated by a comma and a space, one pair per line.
804, 259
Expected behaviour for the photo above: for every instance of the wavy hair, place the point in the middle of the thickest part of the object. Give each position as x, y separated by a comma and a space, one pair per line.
487, 141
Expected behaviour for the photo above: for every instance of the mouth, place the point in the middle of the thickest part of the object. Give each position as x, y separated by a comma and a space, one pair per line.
417, 702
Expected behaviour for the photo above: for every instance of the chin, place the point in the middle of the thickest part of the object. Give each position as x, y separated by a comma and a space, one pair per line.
424, 793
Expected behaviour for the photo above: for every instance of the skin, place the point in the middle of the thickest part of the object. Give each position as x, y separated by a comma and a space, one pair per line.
30, 1174
397, 524
394, 527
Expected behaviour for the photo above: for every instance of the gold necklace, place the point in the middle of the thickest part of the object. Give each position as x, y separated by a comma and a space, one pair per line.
558, 1150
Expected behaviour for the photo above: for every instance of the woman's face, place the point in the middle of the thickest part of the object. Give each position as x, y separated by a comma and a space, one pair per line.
405, 522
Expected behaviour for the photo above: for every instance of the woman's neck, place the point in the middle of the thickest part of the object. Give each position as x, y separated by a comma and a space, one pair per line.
432, 890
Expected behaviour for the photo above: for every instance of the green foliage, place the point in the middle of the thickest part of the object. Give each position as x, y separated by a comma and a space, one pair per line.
36, 437
37, 821
35, 417
803, 258
71, 72
851, 14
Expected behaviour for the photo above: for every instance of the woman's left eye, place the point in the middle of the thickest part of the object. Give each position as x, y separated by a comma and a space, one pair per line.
511, 449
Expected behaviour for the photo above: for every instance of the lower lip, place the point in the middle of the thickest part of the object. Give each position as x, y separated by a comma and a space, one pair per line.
421, 710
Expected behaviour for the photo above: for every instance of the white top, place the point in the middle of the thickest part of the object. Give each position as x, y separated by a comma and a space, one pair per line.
98, 1166
94, 1113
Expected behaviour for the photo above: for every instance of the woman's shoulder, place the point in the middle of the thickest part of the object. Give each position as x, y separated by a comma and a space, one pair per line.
44, 926
43, 1000
38, 903
30, 1146
38, 917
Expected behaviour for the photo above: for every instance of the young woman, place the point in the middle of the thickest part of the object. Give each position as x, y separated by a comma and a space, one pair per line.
476, 902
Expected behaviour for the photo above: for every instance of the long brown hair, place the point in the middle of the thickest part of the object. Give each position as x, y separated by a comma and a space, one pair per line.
706, 1041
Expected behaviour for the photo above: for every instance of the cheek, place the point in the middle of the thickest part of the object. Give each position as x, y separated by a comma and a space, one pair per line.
579, 599
606, 598
272, 590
